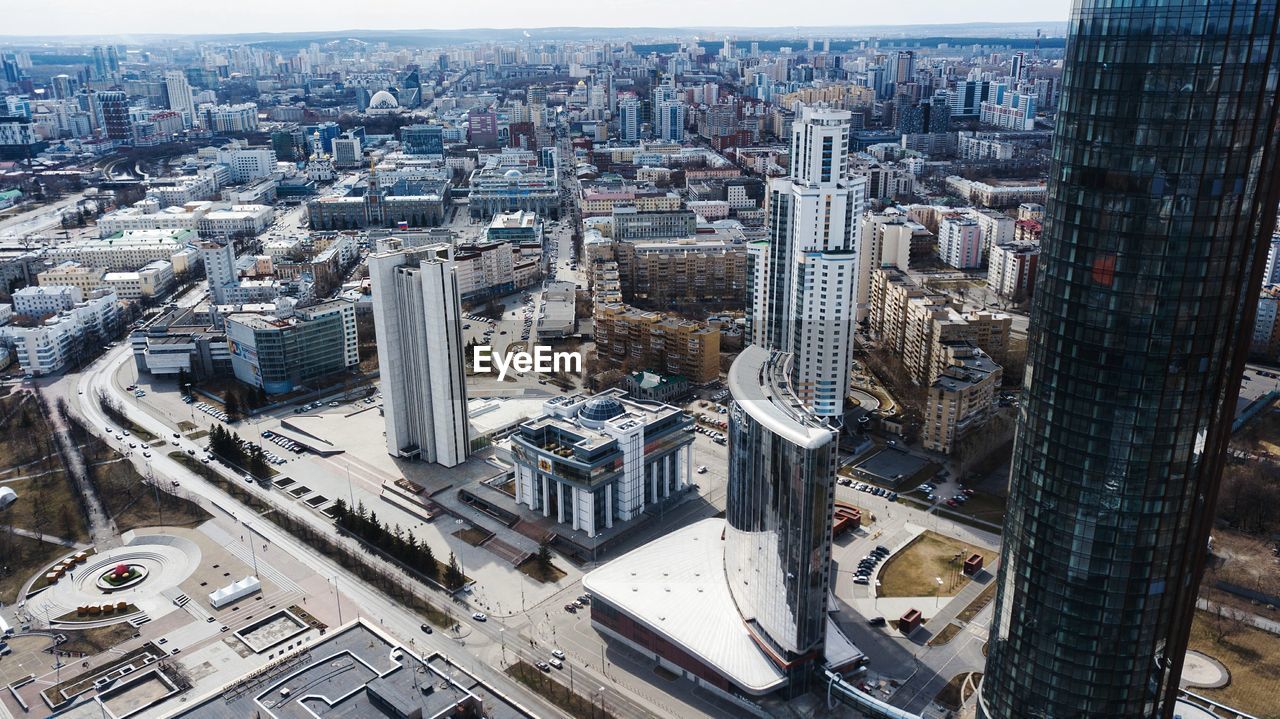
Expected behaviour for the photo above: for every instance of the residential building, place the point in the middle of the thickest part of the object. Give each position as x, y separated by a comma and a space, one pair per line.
914, 323
961, 398
1132, 385
813, 270
889, 239
640, 340
127, 251
69, 336
45, 300
1265, 344
151, 280
148, 214
417, 314
629, 118
997, 193
247, 164
960, 241
595, 462
1009, 109
239, 118
1011, 269
630, 223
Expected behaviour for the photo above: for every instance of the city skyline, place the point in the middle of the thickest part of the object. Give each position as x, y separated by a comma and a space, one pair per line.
690, 360
243, 17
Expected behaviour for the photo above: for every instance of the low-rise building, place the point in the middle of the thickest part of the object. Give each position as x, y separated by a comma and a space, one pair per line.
236, 221
151, 280
45, 300
125, 251
69, 336
181, 342
595, 462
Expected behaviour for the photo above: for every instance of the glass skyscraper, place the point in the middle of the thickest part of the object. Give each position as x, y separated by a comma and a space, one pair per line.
1162, 190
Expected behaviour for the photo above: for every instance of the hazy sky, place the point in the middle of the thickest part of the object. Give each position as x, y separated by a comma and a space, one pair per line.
76, 17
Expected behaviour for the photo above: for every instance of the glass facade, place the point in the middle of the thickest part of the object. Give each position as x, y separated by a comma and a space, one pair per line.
782, 466
1162, 188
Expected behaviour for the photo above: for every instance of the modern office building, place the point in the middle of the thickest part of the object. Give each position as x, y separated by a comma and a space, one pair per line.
423, 140
283, 351
813, 269
418, 317
595, 461
1162, 202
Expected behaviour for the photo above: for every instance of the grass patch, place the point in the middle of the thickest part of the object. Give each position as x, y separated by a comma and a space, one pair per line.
186, 425
22, 558
914, 571
1251, 655
96, 640
473, 535
553, 691
532, 569
985, 506
48, 505
135, 501
198, 434
953, 695
978, 604
948, 633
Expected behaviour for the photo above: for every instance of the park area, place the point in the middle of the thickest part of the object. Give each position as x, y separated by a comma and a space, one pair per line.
1251, 655
916, 570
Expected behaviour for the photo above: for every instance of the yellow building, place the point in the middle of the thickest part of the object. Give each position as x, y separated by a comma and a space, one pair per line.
637, 339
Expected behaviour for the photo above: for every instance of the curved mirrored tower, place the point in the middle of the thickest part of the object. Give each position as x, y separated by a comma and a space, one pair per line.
782, 463
1162, 188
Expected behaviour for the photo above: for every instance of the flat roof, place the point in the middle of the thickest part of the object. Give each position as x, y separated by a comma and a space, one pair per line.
676, 587
754, 385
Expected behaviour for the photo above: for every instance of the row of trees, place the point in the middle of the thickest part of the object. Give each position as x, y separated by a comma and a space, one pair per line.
229, 447
400, 545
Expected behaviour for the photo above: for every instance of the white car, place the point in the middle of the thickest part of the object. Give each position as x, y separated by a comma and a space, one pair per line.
480, 617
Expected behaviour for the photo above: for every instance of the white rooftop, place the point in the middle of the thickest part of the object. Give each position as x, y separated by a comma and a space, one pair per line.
676, 586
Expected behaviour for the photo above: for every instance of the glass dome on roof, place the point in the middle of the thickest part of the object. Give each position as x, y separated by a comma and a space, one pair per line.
600, 409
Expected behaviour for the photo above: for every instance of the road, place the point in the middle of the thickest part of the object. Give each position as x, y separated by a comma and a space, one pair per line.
37, 220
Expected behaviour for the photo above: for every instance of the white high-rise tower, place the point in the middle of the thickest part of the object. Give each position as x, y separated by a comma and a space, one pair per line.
180, 98
812, 273
417, 315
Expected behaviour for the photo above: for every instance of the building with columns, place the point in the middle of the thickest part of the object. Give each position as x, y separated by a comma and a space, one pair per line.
595, 462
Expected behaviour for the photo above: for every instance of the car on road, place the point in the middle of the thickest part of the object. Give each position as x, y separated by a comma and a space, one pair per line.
146, 454
877, 621
702, 469
177, 436
557, 663
544, 666
426, 628
480, 617
557, 654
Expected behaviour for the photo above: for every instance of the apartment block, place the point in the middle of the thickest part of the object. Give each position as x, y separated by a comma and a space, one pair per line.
961, 398
653, 340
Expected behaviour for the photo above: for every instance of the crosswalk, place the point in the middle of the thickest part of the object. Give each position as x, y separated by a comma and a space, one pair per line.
240, 550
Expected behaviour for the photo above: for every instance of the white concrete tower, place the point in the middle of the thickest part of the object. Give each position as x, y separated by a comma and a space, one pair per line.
417, 314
